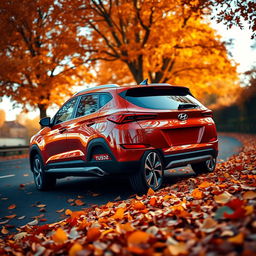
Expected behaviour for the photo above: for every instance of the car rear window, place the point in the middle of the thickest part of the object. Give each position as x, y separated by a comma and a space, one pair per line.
161, 98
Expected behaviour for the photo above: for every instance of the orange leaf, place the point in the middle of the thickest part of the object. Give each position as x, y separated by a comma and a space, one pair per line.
238, 239
151, 192
79, 202
41, 205
4, 231
76, 247
249, 195
119, 214
197, 194
12, 206
93, 234
10, 216
60, 236
139, 206
152, 201
138, 237
205, 184
68, 212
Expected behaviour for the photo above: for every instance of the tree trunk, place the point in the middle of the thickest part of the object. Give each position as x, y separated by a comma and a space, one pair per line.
136, 68
42, 109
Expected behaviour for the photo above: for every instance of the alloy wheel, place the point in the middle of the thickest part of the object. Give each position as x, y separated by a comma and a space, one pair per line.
153, 170
211, 164
37, 168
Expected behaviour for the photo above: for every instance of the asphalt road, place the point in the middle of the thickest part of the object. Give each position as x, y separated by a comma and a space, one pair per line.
17, 187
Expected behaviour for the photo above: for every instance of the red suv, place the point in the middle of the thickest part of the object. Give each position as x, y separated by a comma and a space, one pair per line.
138, 131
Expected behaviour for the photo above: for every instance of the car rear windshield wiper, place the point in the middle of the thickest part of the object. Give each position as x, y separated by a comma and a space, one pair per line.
187, 105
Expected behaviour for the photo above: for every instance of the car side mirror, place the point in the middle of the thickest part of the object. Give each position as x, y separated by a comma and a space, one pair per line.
45, 122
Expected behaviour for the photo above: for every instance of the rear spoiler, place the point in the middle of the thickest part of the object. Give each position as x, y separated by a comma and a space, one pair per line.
155, 90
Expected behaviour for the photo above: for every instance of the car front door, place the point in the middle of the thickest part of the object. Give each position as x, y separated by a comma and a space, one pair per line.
83, 126
56, 149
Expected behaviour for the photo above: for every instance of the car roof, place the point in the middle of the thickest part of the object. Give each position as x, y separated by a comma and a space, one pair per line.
110, 87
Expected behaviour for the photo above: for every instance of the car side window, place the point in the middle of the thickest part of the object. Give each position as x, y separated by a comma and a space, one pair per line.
65, 113
88, 104
104, 98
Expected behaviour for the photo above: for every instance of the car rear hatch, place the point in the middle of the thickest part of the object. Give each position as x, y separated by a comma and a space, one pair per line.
180, 118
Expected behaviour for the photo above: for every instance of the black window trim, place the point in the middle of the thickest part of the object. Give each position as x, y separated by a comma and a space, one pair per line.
78, 99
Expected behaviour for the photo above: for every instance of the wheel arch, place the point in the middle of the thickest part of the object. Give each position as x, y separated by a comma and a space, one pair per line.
98, 143
34, 149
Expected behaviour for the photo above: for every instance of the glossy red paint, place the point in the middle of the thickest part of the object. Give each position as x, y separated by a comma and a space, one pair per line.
127, 130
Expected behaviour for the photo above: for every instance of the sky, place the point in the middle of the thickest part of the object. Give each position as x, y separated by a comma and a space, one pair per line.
241, 50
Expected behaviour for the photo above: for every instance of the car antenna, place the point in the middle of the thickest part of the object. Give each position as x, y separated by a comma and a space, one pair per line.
144, 82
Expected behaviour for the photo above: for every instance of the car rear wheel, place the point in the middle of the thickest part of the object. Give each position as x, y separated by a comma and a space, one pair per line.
150, 174
204, 167
42, 180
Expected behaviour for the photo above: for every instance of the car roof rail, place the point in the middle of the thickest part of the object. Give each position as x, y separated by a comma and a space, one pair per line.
98, 87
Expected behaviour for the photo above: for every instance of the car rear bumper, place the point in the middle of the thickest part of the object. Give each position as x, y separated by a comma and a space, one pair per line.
191, 157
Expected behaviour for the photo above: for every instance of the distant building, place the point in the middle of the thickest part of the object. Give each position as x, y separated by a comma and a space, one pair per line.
12, 129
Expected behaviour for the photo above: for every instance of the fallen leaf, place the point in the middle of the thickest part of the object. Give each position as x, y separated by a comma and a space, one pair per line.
119, 214
78, 202
138, 205
138, 237
20, 235
59, 211
197, 194
60, 236
12, 206
238, 239
152, 201
41, 205
209, 225
68, 212
205, 184
222, 198
10, 216
150, 192
21, 217
93, 234
4, 231
249, 195
76, 247
33, 222
178, 249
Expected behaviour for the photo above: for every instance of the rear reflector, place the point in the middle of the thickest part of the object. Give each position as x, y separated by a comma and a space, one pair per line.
134, 146
101, 157
126, 118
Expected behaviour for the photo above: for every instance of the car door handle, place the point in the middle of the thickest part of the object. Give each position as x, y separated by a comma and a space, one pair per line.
90, 123
62, 130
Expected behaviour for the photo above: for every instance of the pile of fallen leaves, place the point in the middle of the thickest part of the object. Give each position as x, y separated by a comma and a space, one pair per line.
211, 214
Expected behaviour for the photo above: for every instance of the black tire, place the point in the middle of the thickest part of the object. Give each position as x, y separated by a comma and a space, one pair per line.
150, 174
204, 167
43, 181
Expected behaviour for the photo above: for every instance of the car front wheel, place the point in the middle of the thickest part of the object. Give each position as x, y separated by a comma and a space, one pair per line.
150, 174
204, 167
42, 180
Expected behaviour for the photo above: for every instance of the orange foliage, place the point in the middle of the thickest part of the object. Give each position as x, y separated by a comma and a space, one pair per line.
41, 57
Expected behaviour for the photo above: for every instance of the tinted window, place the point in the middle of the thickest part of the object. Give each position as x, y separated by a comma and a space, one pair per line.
65, 113
87, 105
104, 99
158, 98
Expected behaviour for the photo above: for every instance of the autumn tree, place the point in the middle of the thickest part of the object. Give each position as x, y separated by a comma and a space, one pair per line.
166, 41
41, 57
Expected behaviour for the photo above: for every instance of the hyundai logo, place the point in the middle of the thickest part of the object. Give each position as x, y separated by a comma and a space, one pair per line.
182, 116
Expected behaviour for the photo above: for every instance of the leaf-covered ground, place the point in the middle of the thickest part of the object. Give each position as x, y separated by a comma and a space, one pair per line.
211, 214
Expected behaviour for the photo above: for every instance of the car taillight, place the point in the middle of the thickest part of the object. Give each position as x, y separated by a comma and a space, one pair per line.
134, 146
207, 113
126, 118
